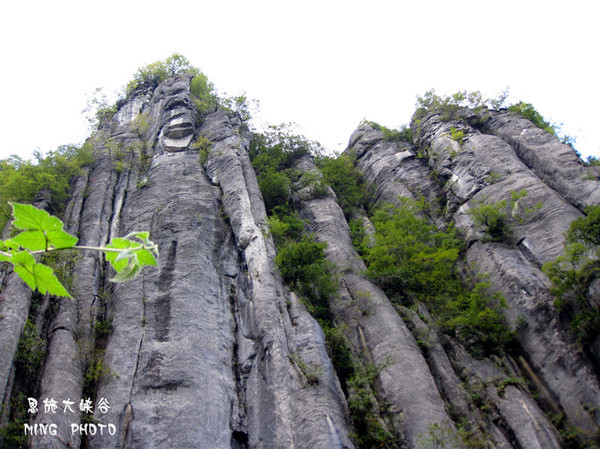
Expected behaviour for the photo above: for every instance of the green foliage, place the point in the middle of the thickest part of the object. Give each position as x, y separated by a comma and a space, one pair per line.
474, 315
413, 261
240, 104
30, 351
276, 188
450, 109
404, 134
98, 110
11, 434
345, 180
140, 124
298, 262
312, 184
409, 256
526, 110
272, 154
202, 144
201, 89
573, 273
285, 225
572, 437
63, 263
128, 256
303, 266
153, 74
22, 180
370, 430
507, 381
586, 229
457, 135
203, 93
449, 106
592, 161
94, 372
493, 177
43, 233
440, 437
359, 237
493, 220
279, 147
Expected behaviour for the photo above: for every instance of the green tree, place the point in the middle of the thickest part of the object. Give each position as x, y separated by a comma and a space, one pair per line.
450, 105
153, 74
285, 225
573, 272
203, 92
345, 180
273, 154
526, 110
410, 257
414, 261
586, 229
22, 180
493, 219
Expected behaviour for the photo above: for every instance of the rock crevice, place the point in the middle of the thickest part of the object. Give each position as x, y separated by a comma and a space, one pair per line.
211, 349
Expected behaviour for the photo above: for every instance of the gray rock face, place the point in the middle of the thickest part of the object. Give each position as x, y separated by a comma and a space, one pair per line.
556, 164
210, 349
378, 332
541, 218
390, 167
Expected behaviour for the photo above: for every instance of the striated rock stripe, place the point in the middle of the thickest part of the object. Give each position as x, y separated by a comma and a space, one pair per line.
514, 266
282, 410
555, 163
415, 406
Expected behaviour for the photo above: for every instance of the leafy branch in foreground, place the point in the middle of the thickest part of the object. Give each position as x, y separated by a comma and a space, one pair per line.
43, 233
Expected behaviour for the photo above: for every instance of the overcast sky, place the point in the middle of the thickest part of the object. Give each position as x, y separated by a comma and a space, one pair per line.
323, 64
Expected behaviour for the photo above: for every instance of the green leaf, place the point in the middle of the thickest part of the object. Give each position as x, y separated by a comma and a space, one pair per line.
41, 231
31, 218
37, 276
145, 257
116, 264
11, 244
119, 243
134, 255
40, 240
22, 258
47, 282
61, 239
27, 275
129, 272
32, 240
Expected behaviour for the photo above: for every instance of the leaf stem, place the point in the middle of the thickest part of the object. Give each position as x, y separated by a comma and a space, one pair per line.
80, 247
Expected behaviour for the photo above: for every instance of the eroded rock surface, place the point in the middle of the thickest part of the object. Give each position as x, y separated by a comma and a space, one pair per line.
211, 349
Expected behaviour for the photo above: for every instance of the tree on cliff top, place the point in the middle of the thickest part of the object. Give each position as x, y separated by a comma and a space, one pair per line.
156, 72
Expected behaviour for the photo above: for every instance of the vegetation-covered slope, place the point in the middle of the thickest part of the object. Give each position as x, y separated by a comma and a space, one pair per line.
434, 286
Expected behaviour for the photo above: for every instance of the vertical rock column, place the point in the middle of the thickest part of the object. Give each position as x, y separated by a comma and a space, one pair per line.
406, 386
391, 167
284, 409
485, 169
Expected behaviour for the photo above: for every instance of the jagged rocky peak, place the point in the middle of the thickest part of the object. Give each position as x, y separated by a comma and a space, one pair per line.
265, 323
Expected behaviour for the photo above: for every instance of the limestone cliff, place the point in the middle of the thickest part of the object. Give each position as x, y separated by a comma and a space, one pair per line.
212, 350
